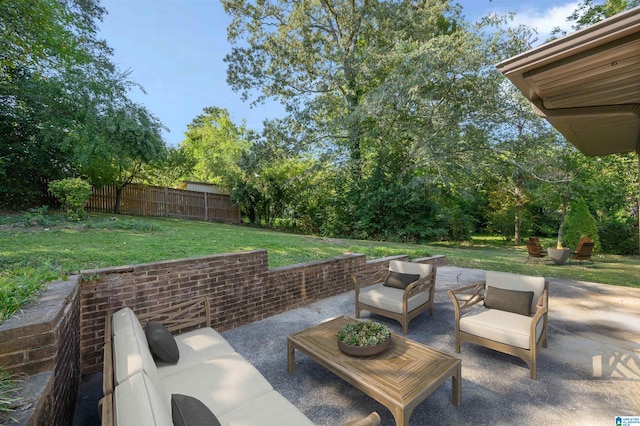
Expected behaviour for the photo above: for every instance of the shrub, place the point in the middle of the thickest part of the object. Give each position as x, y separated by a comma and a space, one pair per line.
619, 238
73, 193
579, 223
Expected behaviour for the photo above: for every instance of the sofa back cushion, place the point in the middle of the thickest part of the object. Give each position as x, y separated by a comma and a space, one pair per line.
131, 354
404, 267
508, 281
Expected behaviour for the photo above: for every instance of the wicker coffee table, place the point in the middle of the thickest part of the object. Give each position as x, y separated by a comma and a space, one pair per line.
400, 378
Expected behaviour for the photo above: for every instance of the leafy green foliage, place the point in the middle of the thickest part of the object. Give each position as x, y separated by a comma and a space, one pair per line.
66, 110
215, 145
9, 400
19, 286
73, 194
589, 12
619, 238
579, 223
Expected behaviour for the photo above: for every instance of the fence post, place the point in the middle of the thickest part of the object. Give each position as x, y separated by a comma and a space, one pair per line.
166, 197
206, 206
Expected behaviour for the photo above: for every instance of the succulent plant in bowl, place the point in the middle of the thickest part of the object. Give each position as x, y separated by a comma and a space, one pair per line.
364, 338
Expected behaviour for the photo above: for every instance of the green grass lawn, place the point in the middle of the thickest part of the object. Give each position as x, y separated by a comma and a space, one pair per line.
35, 248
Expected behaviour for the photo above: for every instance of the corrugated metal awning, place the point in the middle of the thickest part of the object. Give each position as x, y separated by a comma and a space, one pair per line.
587, 84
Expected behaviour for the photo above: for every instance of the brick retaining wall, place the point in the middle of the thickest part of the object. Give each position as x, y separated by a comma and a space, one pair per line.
41, 344
62, 334
240, 288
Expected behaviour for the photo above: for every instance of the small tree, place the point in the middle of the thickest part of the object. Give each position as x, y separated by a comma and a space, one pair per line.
73, 193
579, 223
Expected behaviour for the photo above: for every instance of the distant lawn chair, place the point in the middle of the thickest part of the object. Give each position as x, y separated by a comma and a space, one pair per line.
535, 250
584, 250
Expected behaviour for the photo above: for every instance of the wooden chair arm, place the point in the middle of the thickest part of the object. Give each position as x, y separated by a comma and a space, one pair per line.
541, 307
372, 419
105, 409
365, 278
421, 285
468, 295
107, 370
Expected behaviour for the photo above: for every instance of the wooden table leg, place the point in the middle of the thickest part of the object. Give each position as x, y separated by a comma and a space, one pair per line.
291, 356
456, 386
399, 415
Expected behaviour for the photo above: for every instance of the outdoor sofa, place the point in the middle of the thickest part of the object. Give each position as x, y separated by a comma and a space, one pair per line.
205, 381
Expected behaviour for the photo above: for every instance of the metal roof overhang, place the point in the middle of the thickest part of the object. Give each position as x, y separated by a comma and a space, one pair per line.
587, 84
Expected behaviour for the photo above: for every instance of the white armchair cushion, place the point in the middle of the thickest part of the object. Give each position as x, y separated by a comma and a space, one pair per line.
500, 326
390, 299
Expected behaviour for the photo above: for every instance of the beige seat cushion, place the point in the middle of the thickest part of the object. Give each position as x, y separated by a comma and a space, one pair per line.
222, 384
138, 403
270, 409
389, 298
500, 326
196, 347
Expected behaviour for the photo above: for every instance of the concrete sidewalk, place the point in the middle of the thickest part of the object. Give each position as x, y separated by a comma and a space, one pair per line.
589, 374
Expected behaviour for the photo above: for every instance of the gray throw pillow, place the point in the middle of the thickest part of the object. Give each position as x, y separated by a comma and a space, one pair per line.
161, 343
400, 280
518, 302
189, 411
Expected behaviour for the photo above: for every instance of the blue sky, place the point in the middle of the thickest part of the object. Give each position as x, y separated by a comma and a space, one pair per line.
175, 50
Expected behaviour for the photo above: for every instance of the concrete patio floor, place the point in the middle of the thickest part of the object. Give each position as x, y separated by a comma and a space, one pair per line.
588, 375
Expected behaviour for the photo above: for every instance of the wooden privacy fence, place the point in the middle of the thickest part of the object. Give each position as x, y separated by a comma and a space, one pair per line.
146, 200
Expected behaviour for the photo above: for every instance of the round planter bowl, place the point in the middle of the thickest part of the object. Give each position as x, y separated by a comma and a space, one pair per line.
364, 350
559, 256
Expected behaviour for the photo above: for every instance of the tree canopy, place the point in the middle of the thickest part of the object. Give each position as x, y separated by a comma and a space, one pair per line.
66, 110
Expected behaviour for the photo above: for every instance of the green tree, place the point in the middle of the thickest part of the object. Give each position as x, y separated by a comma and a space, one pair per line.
392, 93
589, 12
215, 144
579, 223
130, 137
67, 111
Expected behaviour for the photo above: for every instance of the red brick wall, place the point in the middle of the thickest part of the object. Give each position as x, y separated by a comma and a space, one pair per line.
233, 284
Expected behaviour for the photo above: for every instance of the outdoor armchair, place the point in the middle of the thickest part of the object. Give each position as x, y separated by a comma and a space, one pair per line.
535, 250
583, 250
507, 313
400, 293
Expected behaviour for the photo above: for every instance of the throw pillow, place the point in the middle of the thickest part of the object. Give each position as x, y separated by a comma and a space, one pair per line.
400, 280
189, 411
518, 302
161, 343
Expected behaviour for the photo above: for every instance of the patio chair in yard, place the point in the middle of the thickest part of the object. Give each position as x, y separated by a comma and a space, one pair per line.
583, 250
507, 313
535, 250
401, 293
